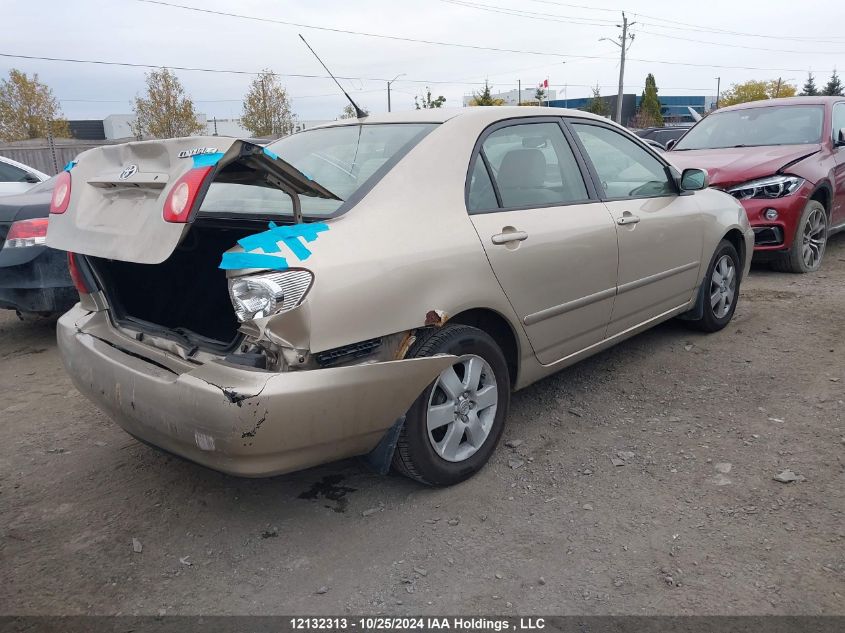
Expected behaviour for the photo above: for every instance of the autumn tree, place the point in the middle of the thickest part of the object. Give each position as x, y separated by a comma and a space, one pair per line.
425, 101
809, 89
165, 111
267, 109
597, 105
833, 88
28, 109
756, 91
485, 97
349, 112
649, 113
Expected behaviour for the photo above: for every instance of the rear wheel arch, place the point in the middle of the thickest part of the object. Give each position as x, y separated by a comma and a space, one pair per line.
499, 329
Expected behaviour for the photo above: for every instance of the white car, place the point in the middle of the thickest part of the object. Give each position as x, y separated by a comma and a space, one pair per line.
16, 177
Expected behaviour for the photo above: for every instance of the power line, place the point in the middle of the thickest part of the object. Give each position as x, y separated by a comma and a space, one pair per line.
555, 17
457, 44
837, 39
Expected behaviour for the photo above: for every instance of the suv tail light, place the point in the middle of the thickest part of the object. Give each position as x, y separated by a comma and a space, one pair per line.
24, 233
180, 200
61, 193
76, 275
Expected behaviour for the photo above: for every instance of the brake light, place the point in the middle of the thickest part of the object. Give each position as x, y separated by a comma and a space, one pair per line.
25, 233
61, 193
76, 275
180, 200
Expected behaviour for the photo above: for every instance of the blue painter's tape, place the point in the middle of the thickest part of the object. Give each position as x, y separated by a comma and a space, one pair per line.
207, 160
271, 153
70, 165
236, 261
268, 241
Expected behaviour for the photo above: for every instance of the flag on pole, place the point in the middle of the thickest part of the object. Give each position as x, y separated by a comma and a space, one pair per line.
544, 83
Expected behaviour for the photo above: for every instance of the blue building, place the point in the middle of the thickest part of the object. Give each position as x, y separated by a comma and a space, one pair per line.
673, 107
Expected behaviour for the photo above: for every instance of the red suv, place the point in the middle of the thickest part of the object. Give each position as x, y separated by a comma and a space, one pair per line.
784, 160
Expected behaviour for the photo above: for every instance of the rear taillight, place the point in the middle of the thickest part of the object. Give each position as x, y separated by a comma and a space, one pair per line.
61, 193
76, 275
24, 233
180, 200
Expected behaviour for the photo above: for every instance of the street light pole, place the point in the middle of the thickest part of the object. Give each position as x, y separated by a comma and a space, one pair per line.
388, 88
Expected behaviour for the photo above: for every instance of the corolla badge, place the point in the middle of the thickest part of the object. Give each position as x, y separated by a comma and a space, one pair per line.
129, 171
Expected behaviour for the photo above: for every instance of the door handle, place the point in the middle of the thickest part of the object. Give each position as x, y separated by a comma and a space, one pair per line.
627, 218
512, 236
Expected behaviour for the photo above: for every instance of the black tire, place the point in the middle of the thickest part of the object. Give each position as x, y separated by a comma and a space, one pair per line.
415, 456
709, 321
793, 260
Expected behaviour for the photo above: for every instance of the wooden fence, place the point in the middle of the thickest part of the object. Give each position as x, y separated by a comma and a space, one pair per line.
50, 155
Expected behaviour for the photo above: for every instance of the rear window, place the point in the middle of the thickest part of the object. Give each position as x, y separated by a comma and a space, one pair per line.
344, 159
750, 127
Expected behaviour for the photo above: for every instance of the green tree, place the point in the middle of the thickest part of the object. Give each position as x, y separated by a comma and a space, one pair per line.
649, 112
597, 105
756, 91
833, 88
485, 97
809, 89
28, 109
425, 101
267, 109
165, 111
540, 95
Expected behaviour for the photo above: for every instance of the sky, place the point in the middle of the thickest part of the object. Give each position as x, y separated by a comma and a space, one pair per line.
686, 45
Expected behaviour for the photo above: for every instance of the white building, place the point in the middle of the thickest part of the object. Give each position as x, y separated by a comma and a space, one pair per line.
513, 97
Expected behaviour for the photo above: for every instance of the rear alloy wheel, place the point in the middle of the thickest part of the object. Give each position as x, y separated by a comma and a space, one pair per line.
453, 427
720, 289
809, 243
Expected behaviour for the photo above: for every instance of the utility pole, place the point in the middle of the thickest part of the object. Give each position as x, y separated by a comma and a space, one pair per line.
718, 90
777, 90
624, 44
388, 88
519, 92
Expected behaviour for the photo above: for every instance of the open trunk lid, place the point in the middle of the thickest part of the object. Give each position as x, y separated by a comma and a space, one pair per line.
118, 193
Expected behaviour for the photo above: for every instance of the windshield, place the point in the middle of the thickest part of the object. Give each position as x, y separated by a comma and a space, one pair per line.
769, 125
342, 159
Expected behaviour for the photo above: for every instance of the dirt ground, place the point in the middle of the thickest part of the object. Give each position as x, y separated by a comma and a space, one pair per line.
691, 523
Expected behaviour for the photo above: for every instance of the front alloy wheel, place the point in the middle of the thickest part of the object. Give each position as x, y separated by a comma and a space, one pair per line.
808, 244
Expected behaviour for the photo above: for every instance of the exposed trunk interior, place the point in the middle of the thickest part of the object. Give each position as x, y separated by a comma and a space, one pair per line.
187, 294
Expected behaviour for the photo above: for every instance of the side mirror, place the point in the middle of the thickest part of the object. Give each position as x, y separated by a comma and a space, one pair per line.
694, 180
840, 137
670, 144
31, 178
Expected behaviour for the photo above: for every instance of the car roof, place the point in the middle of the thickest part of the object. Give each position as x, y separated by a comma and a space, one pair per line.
783, 101
441, 115
31, 170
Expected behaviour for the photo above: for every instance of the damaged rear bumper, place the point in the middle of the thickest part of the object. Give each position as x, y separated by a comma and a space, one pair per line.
239, 420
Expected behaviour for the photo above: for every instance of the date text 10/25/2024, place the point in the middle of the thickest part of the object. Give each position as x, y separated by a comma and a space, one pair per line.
386, 623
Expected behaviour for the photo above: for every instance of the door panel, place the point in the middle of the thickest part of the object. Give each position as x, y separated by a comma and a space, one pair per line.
838, 207
561, 278
552, 249
659, 257
659, 232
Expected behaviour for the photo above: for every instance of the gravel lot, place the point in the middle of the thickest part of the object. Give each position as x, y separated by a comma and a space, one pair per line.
691, 522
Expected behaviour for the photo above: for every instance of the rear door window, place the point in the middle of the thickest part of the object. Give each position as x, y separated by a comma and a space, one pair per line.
533, 166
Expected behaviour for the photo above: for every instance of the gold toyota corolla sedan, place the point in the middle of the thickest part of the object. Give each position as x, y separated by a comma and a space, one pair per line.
376, 286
